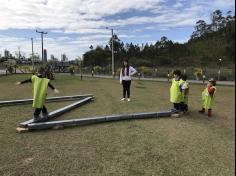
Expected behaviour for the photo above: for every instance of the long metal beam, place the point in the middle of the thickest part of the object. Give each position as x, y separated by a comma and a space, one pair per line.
93, 120
59, 112
49, 99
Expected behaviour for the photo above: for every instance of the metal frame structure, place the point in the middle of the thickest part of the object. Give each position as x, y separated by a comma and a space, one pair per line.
94, 120
59, 112
49, 99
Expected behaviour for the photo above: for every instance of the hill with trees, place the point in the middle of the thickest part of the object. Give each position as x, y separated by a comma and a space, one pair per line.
207, 44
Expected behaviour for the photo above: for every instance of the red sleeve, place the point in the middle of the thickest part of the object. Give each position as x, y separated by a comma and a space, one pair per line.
211, 90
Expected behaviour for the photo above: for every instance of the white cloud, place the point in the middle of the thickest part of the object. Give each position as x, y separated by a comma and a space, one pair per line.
89, 18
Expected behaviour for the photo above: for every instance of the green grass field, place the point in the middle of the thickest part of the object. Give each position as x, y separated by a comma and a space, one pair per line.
191, 145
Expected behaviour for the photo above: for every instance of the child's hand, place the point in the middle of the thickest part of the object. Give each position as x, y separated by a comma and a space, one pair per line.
18, 83
120, 82
56, 91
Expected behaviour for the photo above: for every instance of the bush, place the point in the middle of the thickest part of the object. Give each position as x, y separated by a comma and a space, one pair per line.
72, 70
97, 69
146, 71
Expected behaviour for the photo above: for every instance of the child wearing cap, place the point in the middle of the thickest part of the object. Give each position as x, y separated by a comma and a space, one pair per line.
208, 96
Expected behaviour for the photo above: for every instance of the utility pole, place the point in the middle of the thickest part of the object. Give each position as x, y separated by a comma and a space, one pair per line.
219, 72
32, 44
19, 53
112, 52
42, 33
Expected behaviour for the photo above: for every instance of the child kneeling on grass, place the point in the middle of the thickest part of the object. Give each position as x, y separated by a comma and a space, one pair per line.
208, 97
40, 85
175, 93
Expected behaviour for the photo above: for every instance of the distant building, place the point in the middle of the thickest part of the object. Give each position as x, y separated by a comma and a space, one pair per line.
64, 58
45, 55
6, 53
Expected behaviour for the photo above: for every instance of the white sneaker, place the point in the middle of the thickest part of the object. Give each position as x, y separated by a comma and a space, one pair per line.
129, 99
122, 99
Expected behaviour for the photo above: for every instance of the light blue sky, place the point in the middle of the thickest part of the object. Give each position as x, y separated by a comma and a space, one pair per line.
74, 25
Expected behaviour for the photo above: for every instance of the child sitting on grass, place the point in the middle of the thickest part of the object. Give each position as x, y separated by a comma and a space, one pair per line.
208, 97
175, 93
40, 85
184, 86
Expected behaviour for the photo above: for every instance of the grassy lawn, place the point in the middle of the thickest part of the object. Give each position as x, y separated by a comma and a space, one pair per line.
191, 145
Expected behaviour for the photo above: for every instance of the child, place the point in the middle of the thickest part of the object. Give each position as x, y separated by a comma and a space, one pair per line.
208, 97
125, 78
184, 86
175, 93
40, 85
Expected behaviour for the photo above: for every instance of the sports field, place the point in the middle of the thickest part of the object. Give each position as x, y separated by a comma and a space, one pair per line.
190, 145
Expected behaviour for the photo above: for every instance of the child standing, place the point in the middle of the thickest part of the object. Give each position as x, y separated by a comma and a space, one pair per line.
184, 86
175, 93
208, 97
125, 79
40, 85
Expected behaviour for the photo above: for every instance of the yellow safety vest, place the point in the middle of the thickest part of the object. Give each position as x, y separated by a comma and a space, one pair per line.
207, 99
175, 93
40, 86
184, 97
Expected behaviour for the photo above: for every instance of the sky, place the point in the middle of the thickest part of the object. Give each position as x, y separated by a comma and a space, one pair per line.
74, 25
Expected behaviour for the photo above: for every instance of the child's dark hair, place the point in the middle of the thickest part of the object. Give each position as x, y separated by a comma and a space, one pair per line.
123, 67
184, 77
177, 72
212, 81
41, 71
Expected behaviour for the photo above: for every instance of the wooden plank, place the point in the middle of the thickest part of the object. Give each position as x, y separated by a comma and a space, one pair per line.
59, 112
66, 123
49, 99
164, 114
21, 130
93, 120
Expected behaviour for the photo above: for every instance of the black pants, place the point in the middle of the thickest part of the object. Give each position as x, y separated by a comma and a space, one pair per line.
126, 88
38, 111
177, 106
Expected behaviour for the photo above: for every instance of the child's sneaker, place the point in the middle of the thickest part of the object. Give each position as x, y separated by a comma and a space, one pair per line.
209, 114
122, 99
128, 99
173, 110
45, 115
36, 118
202, 111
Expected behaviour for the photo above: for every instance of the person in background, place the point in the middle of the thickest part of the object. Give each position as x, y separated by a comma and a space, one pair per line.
92, 72
40, 84
175, 93
168, 75
125, 79
208, 96
184, 86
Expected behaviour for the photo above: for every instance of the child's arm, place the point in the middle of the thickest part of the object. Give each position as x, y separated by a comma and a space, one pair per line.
53, 88
121, 76
25, 81
133, 71
211, 90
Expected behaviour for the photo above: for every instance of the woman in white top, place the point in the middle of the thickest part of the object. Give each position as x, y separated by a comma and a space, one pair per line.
125, 78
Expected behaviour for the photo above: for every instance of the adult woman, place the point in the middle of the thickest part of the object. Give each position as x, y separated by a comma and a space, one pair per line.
125, 78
